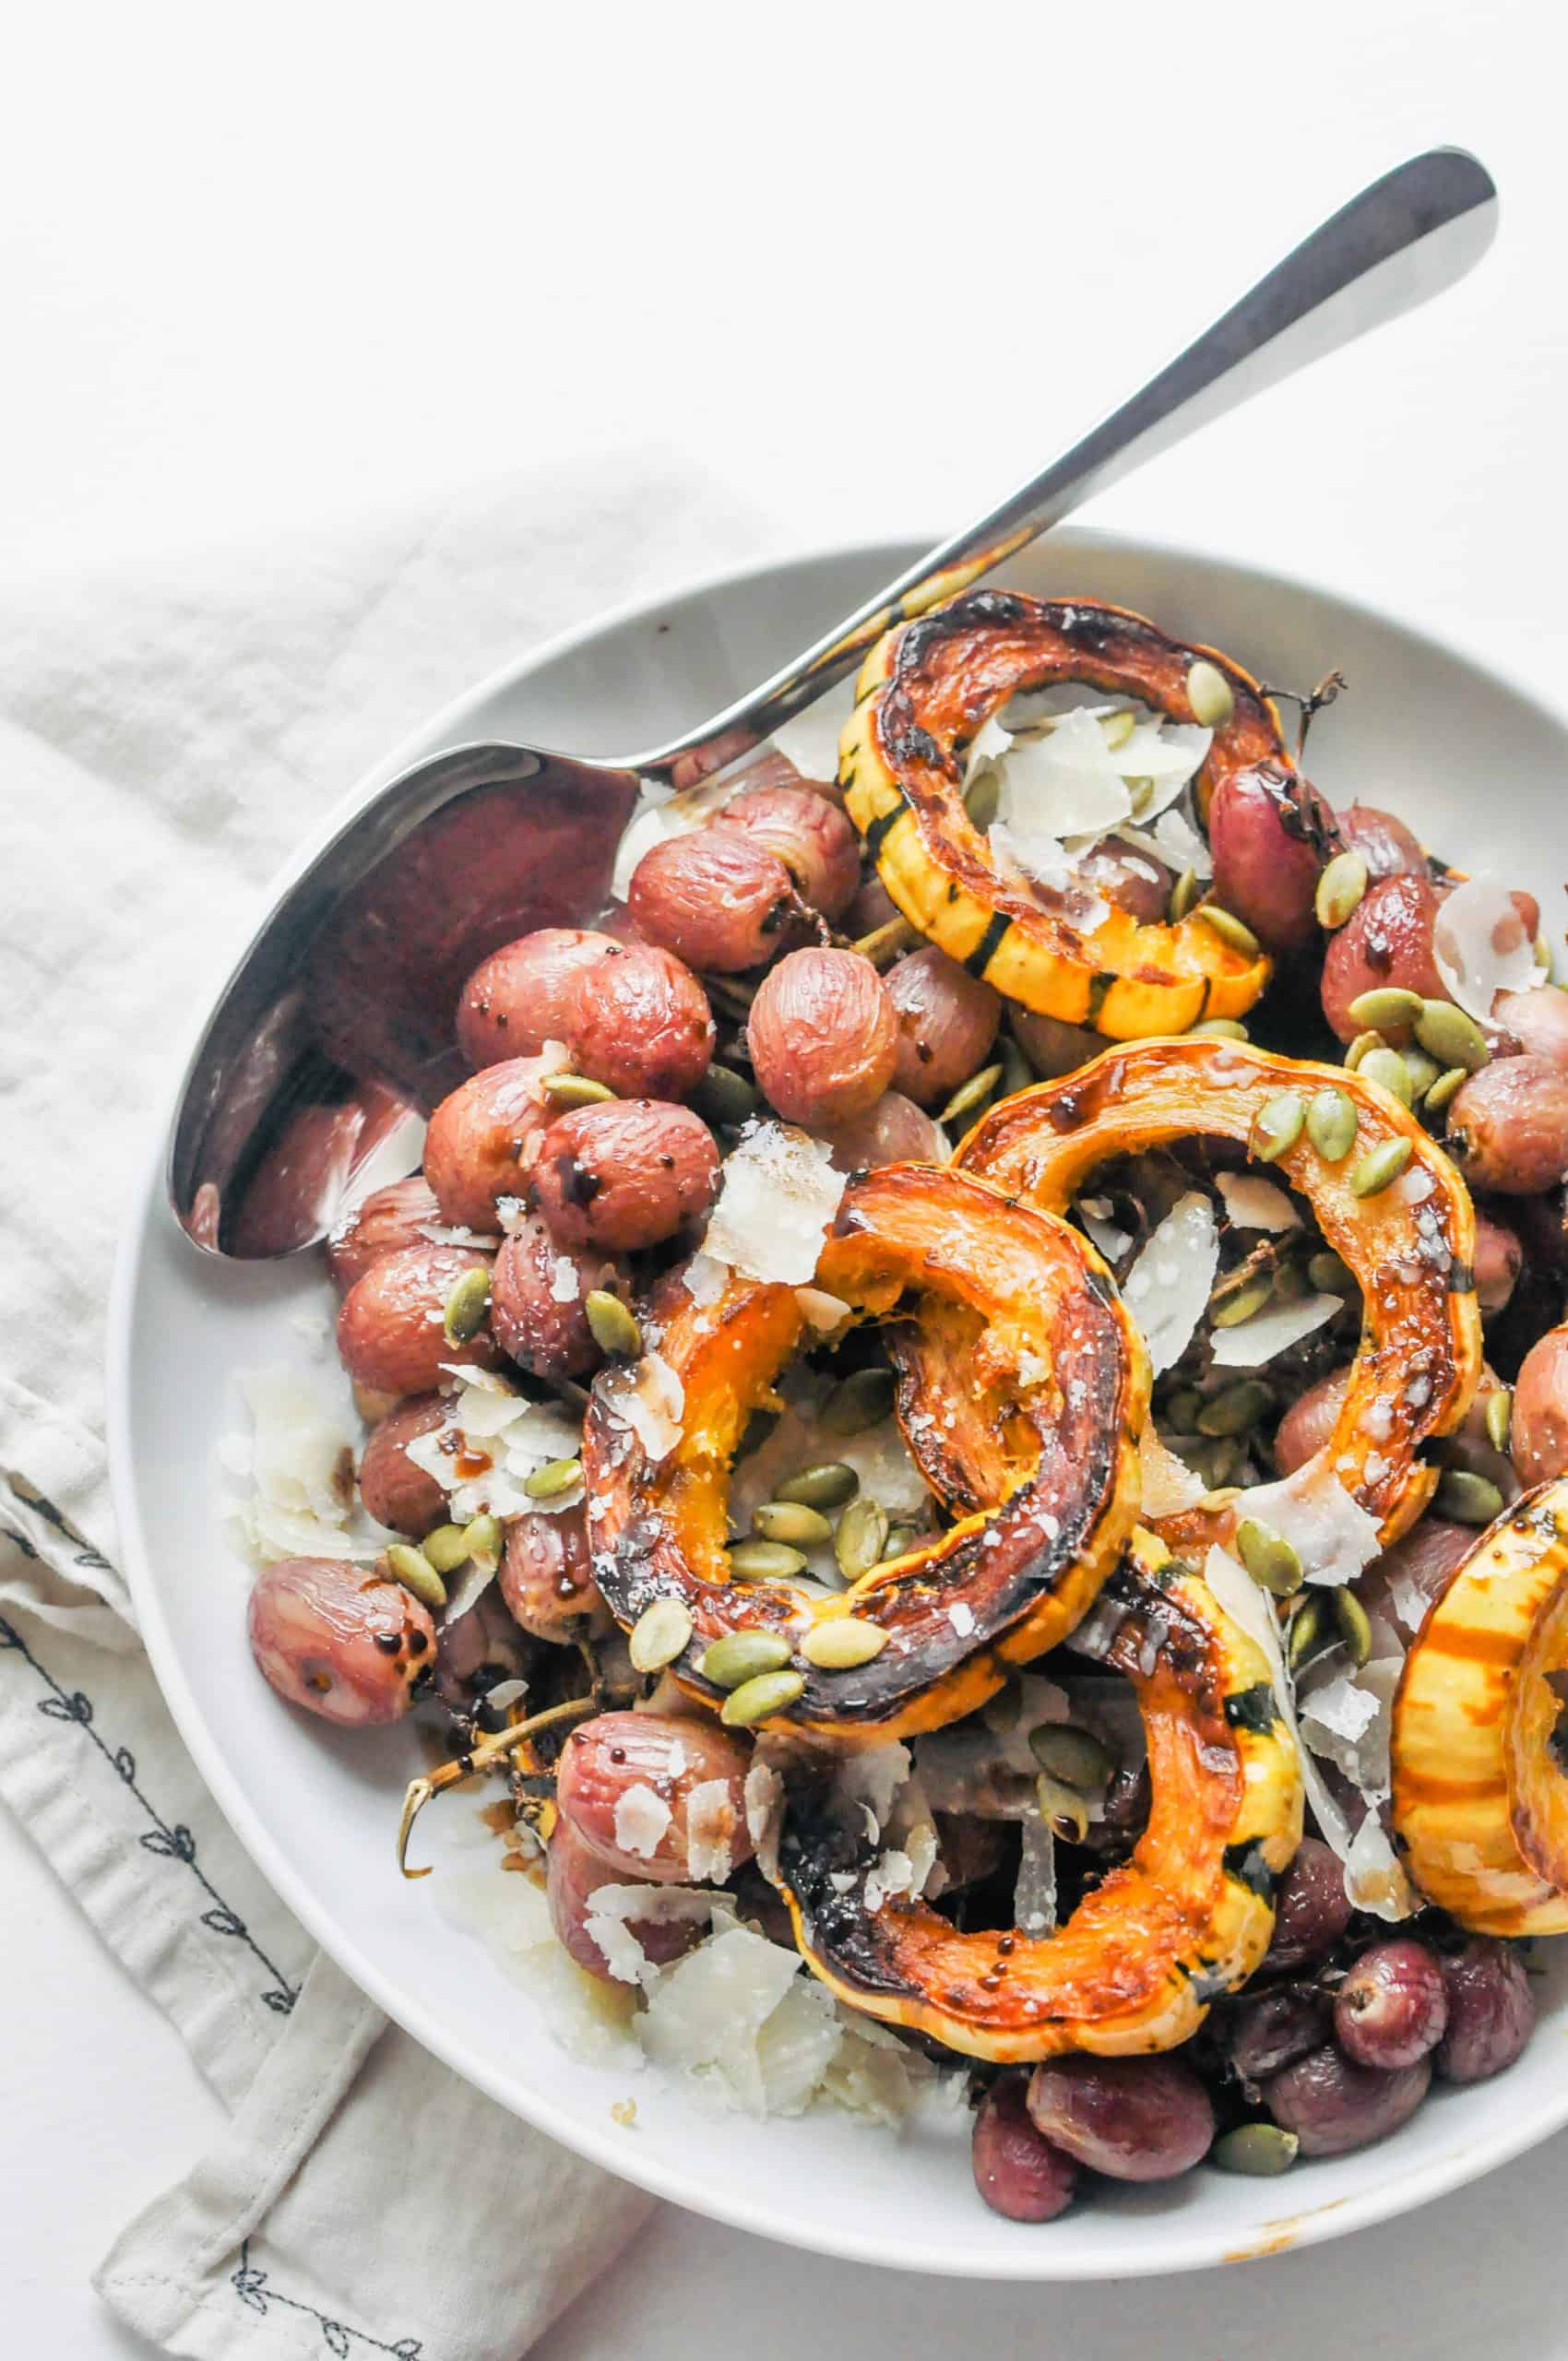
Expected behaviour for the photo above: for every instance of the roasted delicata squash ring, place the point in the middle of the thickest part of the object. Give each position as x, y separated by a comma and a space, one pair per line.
1480, 1788
1054, 1369
923, 692
1187, 1917
1410, 1244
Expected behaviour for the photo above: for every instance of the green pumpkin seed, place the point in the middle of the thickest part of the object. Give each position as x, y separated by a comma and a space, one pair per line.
1214, 1462
971, 1095
791, 1521
1210, 695
1444, 1089
1332, 1123
1466, 1499
1219, 1029
841, 1645
1062, 1807
1230, 928
1277, 1125
1230, 1307
1358, 1049
1269, 1558
982, 798
1499, 1417
1422, 1071
1329, 1276
724, 1096
1184, 894
739, 1657
1259, 2150
1379, 1167
1453, 1037
1387, 1009
483, 1541
1073, 1756
755, 1700
1237, 1409
764, 1561
1212, 1502
901, 1539
413, 1570
556, 1478
660, 1633
1118, 727
446, 1547
861, 1400
612, 1327
1307, 1633
861, 1538
827, 1485
1387, 1068
1542, 952
462, 1315
575, 1090
1339, 889
1182, 1410
1354, 1628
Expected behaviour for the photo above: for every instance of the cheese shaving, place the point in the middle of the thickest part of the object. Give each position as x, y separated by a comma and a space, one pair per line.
641, 1819
1252, 1203
1332, 1535
1272, 1330
488, 1419
1167, 1290
779, 1196
1481, 947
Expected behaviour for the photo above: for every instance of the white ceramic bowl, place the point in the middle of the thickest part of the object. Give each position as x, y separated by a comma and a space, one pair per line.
1477, 766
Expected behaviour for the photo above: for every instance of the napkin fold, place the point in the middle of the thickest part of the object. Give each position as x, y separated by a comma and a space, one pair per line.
164, 742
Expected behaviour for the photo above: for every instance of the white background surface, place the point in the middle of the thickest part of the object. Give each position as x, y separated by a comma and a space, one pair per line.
260, 266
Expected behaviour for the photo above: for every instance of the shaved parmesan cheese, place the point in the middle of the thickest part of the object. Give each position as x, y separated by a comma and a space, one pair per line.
1332, 1535
1034, 1893
704, 2014
710, 1831
1159, 757
1374, 1878
1252, 1203
488, 1419
810, 738
1112, 1242
641, 1819
649, 1399
987, 748
763, 1797
894, 1874
872, 1777
566, 1280
1168, 1287
1272, 1330
1065, 783
779, 1196
301, 1500
705, 1279
1481, 947
1168, 1484
824, 1311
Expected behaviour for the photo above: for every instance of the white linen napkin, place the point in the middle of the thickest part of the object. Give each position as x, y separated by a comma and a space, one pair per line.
164, 741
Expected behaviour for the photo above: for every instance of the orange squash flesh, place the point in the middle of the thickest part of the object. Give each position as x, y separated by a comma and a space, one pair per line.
1025, 1295
1480, 1791
1410, 1245
923, 693
1187, 1917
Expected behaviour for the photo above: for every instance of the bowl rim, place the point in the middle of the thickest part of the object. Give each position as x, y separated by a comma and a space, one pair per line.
1037, 2260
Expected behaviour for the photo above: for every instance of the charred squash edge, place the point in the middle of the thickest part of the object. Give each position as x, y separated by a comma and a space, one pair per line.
1424, 1334
1480, 1796
1188, 1917
654, 1526
922, 693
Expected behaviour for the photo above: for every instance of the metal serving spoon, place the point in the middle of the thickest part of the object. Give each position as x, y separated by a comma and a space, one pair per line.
334, 1033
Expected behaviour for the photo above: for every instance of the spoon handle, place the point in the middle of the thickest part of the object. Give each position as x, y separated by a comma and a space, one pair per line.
1405, 238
